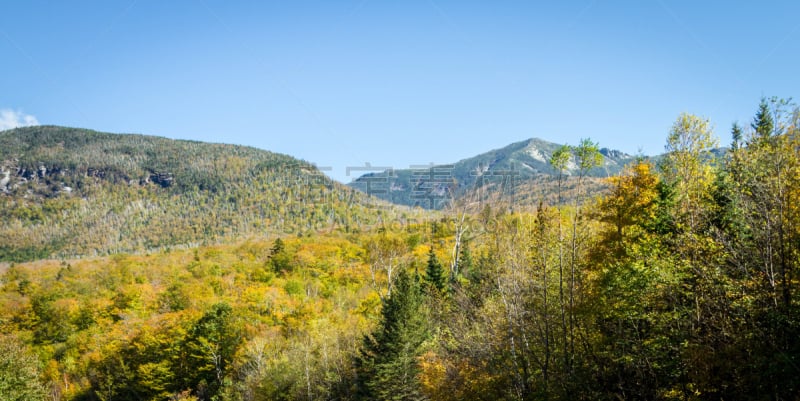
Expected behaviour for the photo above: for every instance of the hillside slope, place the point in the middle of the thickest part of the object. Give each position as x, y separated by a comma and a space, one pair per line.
68, 192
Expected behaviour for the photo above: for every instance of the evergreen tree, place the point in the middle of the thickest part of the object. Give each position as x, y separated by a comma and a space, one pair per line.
466, 261
277, 247
763, 123
663, 222
210, 348
434, 273
279, 258
736, 134
388, 366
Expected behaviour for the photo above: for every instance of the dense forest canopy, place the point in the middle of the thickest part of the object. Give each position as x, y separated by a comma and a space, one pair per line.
678, 281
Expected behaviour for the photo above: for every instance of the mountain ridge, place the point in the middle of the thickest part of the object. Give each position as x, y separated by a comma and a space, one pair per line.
516, 165
67, 192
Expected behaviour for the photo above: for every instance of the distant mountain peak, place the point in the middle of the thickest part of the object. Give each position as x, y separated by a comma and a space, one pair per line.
523, 161
614, 154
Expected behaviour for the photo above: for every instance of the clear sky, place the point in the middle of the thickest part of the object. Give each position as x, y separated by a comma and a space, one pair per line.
394, 83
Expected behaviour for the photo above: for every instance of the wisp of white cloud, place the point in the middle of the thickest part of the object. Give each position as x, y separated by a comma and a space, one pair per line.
15, 118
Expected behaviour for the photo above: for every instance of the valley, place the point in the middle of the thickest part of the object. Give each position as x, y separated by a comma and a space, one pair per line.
143, 268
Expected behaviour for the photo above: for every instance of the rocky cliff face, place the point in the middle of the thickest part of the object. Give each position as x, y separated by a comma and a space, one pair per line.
5, 179
71, 192
51, 180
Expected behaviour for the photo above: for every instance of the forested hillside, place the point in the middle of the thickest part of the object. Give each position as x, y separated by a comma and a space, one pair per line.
68, 192
679, 282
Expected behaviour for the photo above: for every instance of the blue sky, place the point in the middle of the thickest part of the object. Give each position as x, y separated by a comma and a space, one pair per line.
395, 83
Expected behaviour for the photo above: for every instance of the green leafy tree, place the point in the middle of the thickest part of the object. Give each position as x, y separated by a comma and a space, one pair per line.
628, 207
689, 140
558, 160
19, 372
587, 156
52, 324
766, 176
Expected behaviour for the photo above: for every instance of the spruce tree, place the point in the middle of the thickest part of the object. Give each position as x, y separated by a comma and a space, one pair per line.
387, 366
763, 123
279, 259
434, 273
736, 134
209, 349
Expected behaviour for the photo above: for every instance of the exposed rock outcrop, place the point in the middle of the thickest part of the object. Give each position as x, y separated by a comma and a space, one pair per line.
94, 172
163, 178
5, 178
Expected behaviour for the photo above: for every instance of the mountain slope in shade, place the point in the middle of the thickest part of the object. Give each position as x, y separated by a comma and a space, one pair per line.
515, 172
68, 192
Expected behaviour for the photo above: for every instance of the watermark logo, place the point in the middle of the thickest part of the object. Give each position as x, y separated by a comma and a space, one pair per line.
432, 185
